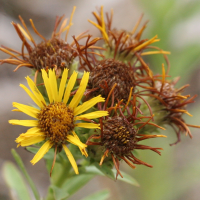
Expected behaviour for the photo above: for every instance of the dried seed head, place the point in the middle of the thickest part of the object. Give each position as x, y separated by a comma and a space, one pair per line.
108, 72
118, 136
126, 38
54, 52
167, 92
56, 121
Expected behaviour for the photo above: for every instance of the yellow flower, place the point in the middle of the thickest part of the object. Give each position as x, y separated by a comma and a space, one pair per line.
54, 122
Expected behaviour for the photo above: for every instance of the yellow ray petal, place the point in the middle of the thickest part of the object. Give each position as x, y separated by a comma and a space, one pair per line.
39, 103
83, 151
24, 32
103, 31
25, 136
70, 86
88, 125
76, 141
79, 94
35, 91
23, 122
152, 40
53, 84
62, 84
47, 85
88, 104
71, 159
33, 130
92, 115
33, 112
70, 22
27, 141
42, 151
155, 52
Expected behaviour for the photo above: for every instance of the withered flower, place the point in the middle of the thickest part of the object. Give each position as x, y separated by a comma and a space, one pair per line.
106, 72
50, 53
172, 103
122, 44
119, 132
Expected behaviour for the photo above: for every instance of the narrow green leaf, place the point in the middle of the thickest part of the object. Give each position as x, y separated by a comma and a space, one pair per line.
74, 183
107, 171
15, 181
93, 170
24, 171
59, 193
101, 195
126, 178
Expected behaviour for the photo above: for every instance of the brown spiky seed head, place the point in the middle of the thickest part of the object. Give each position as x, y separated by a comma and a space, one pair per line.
168, 92
50, 54
118, 136
108, 72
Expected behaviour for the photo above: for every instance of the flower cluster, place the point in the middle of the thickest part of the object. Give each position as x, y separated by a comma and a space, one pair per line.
118, 102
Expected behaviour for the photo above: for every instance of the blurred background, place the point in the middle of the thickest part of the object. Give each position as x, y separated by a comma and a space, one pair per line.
176, 174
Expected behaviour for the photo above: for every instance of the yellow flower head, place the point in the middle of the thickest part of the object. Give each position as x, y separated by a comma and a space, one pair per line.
54, 122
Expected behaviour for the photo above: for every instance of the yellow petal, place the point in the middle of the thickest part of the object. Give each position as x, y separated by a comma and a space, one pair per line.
35, 91
71, 159
88, 104
33, 97
76, 141
33, 112
152, 40
25, 136
88, 125
70, 86
83, 151
24, 122
92, 115
42, 151
27, 141
53, 84
47, 85
62, 84
77, 97
33, 130
24, 32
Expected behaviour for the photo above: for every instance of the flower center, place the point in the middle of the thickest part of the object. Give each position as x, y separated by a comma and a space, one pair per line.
118, 136
108, 72
56, 121
51, 53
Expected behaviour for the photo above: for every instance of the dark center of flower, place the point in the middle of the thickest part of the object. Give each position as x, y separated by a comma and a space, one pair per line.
56, 121
118, 136
52, 53
108, 72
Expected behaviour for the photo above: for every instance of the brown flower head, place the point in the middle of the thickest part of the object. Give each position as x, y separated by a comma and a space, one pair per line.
119, 133
122, 44
106, 72
50, 53
173, 103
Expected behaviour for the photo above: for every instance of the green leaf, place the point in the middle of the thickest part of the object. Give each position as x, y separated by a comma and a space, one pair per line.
126, 178
74, 183
101, 195
91, 169
24, 171
59, 193
15, 181
107, 171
